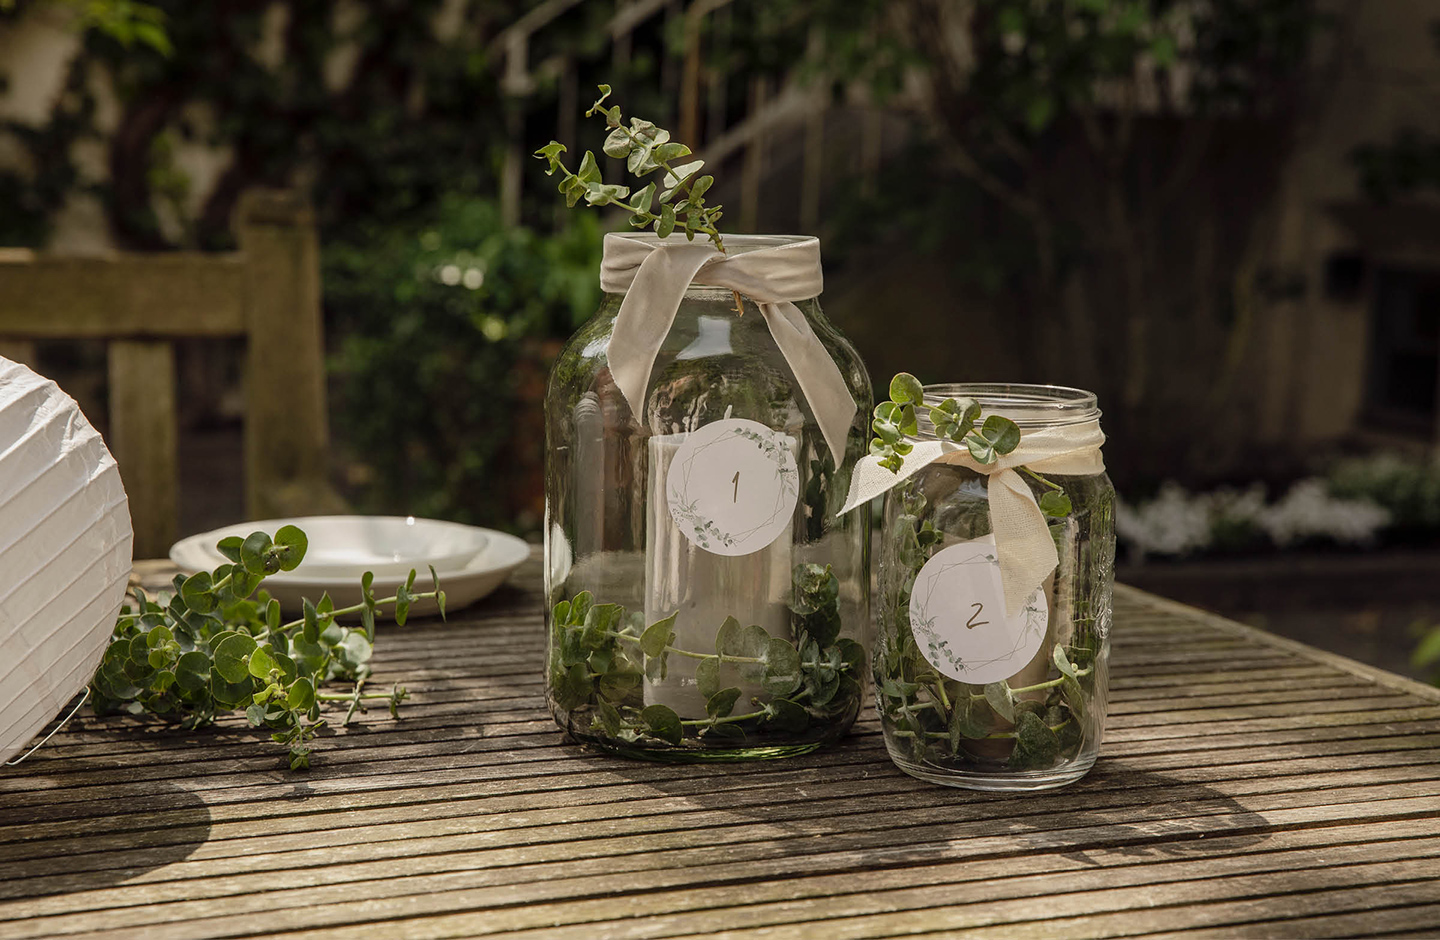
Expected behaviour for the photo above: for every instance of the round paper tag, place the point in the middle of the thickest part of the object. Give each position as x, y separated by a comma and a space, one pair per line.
733, 485
957, 613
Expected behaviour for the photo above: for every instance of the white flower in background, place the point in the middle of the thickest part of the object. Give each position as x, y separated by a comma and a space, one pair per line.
1173, 523
1176, 522
1237, 506
1309, 511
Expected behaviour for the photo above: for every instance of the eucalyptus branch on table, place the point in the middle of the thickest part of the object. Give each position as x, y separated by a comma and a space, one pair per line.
645, 148
210, 649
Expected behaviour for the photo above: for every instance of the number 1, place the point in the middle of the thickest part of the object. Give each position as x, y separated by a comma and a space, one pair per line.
736, 498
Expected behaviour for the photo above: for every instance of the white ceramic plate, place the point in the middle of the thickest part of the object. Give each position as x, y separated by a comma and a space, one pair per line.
345, 547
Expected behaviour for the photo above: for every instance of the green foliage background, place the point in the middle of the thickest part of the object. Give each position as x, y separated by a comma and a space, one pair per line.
1072, 219
439, 382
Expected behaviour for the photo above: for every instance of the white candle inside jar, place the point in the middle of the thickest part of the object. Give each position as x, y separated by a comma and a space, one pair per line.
719, 544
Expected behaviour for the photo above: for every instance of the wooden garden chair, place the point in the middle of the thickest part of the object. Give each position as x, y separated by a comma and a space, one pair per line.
267, 292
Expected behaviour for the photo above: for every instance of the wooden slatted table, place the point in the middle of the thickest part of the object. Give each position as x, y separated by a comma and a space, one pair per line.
1248, 786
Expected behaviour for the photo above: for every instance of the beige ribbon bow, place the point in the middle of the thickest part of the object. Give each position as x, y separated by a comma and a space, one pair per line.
1022, 537
654, 278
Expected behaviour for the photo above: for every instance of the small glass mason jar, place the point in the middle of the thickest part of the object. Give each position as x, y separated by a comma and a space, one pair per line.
682, 625
971, 694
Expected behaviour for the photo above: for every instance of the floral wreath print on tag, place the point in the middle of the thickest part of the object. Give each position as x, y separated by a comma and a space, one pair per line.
941, 624
757, 513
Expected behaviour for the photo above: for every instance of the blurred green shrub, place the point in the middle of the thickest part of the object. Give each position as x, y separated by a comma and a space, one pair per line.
443, 338
1426, 655
1408, 488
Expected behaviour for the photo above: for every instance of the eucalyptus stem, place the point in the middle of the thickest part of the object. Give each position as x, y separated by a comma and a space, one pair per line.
1039, 686
1010, 735
707, 227
1040, 479
727, 720
721, 657
288, 628
646, 148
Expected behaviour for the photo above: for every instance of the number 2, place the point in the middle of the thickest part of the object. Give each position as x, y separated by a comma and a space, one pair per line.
979, 609
736, 498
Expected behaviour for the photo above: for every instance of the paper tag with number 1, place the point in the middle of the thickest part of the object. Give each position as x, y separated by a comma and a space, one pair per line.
957, 614
733, 486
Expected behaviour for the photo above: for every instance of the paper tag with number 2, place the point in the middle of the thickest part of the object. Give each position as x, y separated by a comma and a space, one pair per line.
957, 614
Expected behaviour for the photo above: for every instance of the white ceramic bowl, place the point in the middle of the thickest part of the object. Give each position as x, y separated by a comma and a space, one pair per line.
470, 561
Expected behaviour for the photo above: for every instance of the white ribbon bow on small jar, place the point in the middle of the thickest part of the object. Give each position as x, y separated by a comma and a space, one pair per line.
1023, 544
654, 277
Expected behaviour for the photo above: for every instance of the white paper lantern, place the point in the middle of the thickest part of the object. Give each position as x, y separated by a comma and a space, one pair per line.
65, 542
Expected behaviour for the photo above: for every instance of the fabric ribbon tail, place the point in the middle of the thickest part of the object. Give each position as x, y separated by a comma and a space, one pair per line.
646, 315
1022, 539
819, 377
869, 480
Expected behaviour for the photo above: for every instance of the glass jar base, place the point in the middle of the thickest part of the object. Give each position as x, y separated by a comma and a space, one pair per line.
997, 781
703, 755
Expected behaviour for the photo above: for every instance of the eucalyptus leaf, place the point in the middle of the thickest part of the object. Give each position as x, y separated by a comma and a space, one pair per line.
196, 590
192, 671
301, 695
290, 547
1002, 433
729, 638
255, 554
722, 703
618, 686
658, 635
662, 722
753, 643
788, 716
1000, 698
906, 389
707, 677
261, 663
618, 144
232, 657
1054, 503
782, 668
1036, 746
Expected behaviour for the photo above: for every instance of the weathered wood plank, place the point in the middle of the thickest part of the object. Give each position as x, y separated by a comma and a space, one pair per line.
931, 837
143, 438
122, 297
21, 351
1193, 618
287, 434
1021, 876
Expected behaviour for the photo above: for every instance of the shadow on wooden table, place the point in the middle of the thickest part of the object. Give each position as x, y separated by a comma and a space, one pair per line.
61, 837
1115, 811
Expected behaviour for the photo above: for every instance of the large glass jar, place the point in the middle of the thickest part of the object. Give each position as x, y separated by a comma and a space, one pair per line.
706, 601
1032, 712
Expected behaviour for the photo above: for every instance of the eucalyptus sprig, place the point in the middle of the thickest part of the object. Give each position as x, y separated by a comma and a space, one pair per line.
209, 648
934, 718
645, 148
954, 419
600, 657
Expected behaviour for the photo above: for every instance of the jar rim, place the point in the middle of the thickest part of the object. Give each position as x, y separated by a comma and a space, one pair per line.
737, 244
1031, 406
